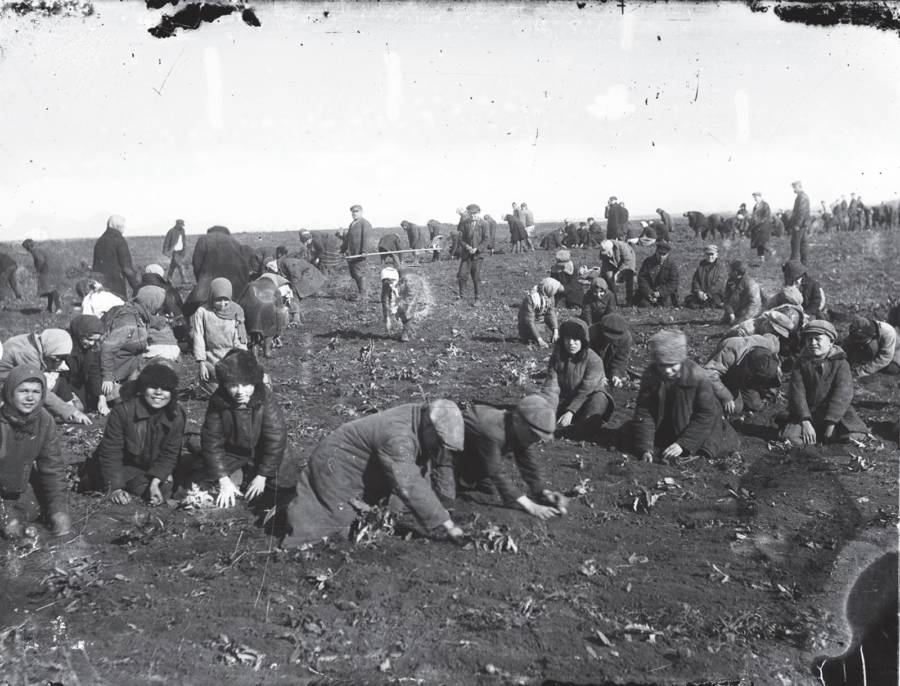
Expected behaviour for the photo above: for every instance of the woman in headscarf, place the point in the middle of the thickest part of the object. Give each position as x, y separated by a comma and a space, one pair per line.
48, 274
218, 329
95, 299
539, 304
48, 351
29, 453
161, 340
142, 441
85, 376
406, 301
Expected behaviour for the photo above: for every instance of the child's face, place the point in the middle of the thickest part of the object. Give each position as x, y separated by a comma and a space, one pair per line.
88, 342
819, 344
572, 345
669, 371
27, 396
241, 392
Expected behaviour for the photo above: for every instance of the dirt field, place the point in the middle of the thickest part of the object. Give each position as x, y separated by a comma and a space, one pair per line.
737, 574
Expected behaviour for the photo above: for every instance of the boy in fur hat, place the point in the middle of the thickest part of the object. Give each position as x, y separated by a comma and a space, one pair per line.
872, 347
820, 391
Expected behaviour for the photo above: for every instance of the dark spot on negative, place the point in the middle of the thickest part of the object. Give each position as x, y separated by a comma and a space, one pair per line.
192, 15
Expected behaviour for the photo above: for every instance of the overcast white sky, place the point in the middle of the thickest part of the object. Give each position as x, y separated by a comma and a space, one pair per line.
415, 110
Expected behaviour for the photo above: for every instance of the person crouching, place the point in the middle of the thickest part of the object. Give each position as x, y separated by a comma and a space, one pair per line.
406, 301
539, 304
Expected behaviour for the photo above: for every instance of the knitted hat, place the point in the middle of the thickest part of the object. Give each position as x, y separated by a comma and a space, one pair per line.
239, 367
390, 273
55, 342
863, 329
19, 375
473, 208
220, 288
663, 247
563, 256
793, 270
668, 346
820, 326
85, 325
447, 421
534, 419
157, 375
781, 324
151, 297
614, 327
154, 269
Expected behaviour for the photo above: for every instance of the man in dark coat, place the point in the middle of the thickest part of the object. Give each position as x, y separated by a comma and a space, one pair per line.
175, 244
8, 280
49, 273
389, 245
666, 219
708, 284
697, 223
611, 339
552, 240
516, 233
491, 226
799, 224
112, 259
473, 240
616, 218
356, 242
217, 254
597, 302
595, 233
760, 226
658, 279
418, 238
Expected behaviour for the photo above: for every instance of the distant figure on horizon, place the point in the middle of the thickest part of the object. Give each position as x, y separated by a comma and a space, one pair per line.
112, 259
175, 244
48, 273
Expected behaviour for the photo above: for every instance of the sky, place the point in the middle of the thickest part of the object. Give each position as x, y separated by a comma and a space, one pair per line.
413, 110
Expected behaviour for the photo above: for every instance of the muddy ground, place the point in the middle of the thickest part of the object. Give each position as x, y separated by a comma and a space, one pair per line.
737, 574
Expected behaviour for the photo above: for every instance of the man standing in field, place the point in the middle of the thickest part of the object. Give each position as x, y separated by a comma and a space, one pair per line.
473, 243
799, 224
527, 217
616, 217
112, 259
175, 244
355, 244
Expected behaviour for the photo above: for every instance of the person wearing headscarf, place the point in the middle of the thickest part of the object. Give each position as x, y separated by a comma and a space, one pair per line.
618, 265
8, 281
563, 270
175, 245
48, 351
217, 254
142, 440
598, 302
658, 279
406, 300
48, 272
539, 304
112, 259
161, 339
708, 284
611, 339
742, 299
575, 375
85, 377
218, 328
495, 438
95, 299
30, 454
872, 347
742, 369
392, 452
677, 412
821, 391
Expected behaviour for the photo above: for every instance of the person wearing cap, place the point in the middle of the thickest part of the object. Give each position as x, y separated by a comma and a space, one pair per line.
782, 321
611, 339
173, 305
539, 304
95, 299
217, 254
872, 347
392, 452
708, 284
799, 224
218, 328
676, 411
473, 244
175, 246
742, 369
821, 391
813, 294
743, 299
48, 272
618, 264
161, 339
563, 270
85, 378
527, 217
598, 302
658, 279
616, 218
30, 455
47, 350
112, 259
496, 437
244, 436
355, 243
760, 226
575, 375
142, 440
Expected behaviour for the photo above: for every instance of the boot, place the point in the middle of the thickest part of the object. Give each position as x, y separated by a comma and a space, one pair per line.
267, 348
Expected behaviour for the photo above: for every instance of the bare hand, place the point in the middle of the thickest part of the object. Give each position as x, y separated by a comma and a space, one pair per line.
542, 512
647, 456
108, 387
618, 382
79, 417
204, 372
829, 431
255, 488
156, 496
565, 419
227, 493
730, 407
542, 343
672, 451
120, 496
557, 500
102, 406
808, 433
555, 336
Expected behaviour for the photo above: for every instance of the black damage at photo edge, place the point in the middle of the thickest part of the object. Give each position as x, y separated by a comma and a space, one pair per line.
193, 15
880, 15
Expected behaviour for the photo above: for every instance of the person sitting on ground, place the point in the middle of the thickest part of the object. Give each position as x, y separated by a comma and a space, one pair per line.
406, 301
539, 304
30, 454
494, 437
618, 264
658, 279
813, 295
85, 377
742, 299
598, 302
95, 299
48, 351
48, 273
743, 369
576, 376
218, 328
142, 440
244, 436
872, 347
820, 392
373, 457
563, 270
708, 284
677, 413
611, 339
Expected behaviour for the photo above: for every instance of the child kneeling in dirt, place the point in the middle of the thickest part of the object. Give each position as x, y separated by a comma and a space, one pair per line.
244, 435
406, 301
677, 412
29, 452
575, 374
820, 391
540, 304
142, 441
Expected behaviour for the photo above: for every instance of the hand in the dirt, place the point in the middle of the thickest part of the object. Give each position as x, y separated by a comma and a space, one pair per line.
535, 510
730, 407
557, 500
156, 496
829, 430
672, 451
647, 456
204, 372
120, 496
255, 488
618, 382
702, 296
102, 406
79, 417
108, 387
565, 419
227, 492
542, 343
808, 433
